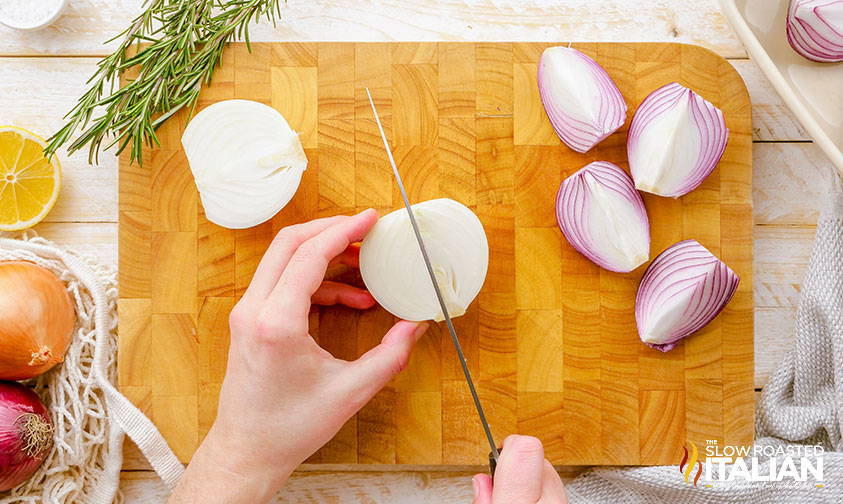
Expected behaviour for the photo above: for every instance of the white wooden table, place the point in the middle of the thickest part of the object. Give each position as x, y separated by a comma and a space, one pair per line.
42, 74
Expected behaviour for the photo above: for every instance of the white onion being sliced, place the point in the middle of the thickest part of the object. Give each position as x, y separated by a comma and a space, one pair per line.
393, 269
683, 289
246, 161
603, 217
675, 140
582, 102
815, 29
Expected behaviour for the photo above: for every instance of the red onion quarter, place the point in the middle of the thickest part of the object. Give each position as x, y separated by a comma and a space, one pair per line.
683, 289
675, 140
582, 102
26, 434
603, 217
815, 29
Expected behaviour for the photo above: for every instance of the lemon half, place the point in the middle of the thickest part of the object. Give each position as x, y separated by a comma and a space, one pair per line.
29, 182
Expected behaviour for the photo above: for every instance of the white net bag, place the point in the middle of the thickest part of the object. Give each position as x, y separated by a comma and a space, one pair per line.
89, 416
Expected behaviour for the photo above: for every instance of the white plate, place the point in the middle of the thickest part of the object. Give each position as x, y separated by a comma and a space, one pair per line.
813, 91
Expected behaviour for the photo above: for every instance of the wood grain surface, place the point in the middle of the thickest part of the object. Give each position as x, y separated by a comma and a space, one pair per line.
87, 24
788, 189
551, 338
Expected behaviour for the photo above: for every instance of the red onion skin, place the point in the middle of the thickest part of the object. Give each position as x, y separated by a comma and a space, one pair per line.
15, 465
727, 286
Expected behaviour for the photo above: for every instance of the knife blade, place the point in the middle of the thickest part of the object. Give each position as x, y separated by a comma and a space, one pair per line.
494, 454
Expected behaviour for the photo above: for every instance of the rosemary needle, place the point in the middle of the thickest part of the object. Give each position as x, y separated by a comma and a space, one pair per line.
179, 45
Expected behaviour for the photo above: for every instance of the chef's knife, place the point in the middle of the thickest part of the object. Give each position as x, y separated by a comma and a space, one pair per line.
493, 456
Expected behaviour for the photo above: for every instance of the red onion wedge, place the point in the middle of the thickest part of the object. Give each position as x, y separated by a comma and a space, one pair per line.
815, 29
683, 289
676, 138
603, 217
582, 102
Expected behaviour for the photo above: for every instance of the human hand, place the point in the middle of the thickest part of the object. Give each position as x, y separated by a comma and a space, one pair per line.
523, 476
284, 396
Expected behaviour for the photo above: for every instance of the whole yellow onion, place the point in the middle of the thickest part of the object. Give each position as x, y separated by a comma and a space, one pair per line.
36, 320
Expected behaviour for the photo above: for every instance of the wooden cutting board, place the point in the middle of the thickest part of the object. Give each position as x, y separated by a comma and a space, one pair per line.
551, 339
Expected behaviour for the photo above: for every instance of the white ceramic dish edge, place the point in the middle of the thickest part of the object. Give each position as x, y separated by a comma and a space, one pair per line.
43, 24
785, 90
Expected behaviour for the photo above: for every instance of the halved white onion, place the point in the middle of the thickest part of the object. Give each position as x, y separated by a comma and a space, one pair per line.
582, 102
815, 29
603, 217
675, 140
393, 268
683, 289
246, 161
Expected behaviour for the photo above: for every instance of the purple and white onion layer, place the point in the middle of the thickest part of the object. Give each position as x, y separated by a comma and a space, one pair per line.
815, 29
676, 138
604, 218
683, 289
582, 102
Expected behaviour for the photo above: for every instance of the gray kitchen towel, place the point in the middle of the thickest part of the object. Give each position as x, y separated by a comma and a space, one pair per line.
800, 405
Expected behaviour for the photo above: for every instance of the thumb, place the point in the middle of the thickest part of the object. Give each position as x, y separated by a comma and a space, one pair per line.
482, 484
518, 477
374, 369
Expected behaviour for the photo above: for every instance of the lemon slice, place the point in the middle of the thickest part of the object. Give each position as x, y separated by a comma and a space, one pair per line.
29, 182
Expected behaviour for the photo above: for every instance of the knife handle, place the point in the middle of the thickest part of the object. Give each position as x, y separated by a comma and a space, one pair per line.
493, 464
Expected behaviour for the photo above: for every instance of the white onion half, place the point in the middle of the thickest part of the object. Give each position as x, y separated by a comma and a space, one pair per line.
603, 217
246, 161
683, 289
676, 138
815, 29
393, 268
582, 102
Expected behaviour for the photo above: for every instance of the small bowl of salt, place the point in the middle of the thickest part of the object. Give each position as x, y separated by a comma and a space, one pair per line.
30, 14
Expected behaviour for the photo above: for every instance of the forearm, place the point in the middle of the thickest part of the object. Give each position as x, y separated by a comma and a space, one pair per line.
215, 475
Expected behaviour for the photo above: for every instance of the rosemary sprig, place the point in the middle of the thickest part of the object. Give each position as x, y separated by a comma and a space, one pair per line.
179, 45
